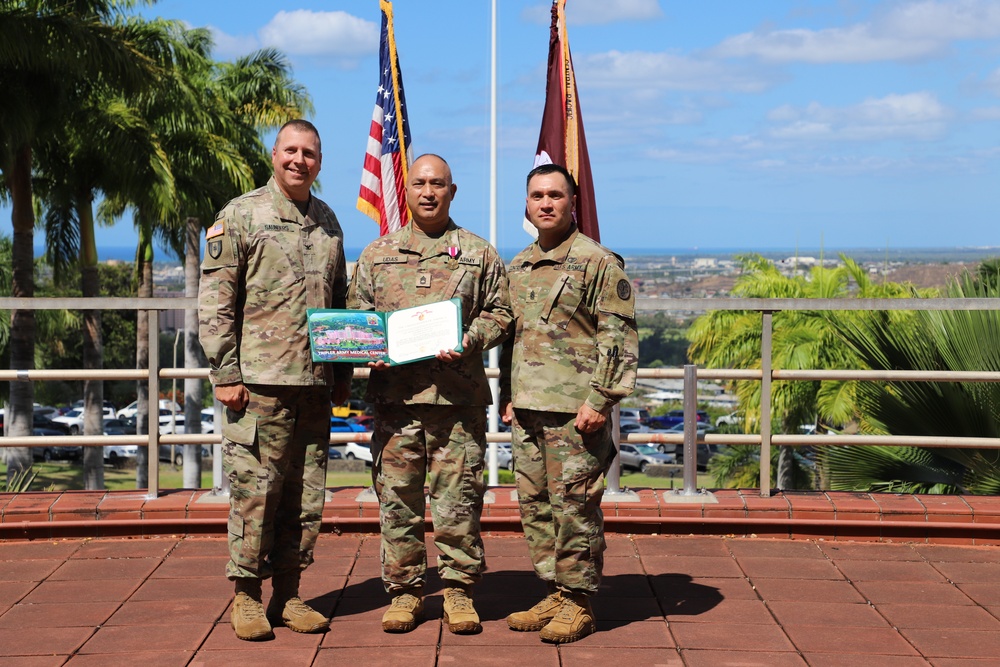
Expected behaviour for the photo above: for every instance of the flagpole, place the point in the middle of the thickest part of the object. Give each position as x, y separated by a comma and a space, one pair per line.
494, 359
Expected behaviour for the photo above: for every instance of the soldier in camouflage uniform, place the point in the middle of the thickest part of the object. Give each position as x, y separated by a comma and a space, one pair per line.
572, 357
430, 416
271, 254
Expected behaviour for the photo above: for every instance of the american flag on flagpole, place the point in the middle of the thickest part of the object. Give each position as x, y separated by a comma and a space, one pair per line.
388, 155
561, 139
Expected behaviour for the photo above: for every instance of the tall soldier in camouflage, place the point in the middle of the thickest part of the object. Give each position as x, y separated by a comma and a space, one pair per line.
430, 416
572, 357
271, 254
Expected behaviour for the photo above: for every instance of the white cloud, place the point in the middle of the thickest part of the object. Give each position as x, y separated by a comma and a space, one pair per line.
918, 116
597, 12
336, 35
907, 31
308, 33
232, 46
639, 70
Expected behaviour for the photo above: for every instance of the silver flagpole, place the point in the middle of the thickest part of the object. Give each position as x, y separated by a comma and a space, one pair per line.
494, 356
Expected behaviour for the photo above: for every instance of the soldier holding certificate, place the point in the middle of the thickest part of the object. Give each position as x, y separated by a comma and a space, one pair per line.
430, 416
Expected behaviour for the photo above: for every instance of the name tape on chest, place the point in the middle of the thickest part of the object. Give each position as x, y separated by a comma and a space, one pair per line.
391, 259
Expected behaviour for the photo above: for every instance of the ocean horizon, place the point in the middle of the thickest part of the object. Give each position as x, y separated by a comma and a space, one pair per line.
913, 254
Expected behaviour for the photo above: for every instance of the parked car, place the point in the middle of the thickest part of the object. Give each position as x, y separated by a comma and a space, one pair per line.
133, 407
360, 451
178, 452
505, 458
116, 455
74, 419
367, 422
673, 418
732, 419
678, 429
640, 415
108, 405
351, 450
118, 427
54, 452
705, 452
171, 423
352, 408
640, 457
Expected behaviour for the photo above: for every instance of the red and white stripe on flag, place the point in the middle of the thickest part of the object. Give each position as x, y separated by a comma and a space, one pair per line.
388, 154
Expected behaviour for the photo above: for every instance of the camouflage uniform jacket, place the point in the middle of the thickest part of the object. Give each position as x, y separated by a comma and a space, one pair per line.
264, 265
400, 270
575, 338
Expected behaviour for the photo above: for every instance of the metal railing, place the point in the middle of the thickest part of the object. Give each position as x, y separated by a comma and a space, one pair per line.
689, 374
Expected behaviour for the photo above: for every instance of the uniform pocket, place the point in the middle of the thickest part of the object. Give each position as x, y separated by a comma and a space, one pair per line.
240, 427
564, 299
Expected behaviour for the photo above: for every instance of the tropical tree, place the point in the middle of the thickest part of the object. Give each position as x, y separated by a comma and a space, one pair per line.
48, 50
208, 117
926, 340
801, 340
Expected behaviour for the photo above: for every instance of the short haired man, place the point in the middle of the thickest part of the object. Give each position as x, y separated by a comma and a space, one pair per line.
572, 357
430, 416
271, 254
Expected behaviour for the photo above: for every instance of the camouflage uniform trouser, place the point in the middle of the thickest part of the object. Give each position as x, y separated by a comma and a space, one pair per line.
443, 444
560, 482
274, 454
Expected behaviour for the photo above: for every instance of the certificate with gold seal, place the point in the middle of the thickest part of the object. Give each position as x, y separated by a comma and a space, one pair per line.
395, 337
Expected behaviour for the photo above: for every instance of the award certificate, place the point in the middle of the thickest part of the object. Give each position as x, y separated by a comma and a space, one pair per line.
396, 337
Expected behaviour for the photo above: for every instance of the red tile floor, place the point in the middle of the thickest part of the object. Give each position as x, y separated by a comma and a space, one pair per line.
666, 599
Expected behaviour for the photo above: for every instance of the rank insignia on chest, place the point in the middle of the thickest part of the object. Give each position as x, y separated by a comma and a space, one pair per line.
531, 295
424, 280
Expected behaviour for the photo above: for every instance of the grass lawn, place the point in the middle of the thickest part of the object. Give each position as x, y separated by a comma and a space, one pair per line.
66, 475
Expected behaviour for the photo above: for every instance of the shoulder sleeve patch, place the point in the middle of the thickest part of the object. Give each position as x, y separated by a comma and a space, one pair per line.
617, 296
624, 289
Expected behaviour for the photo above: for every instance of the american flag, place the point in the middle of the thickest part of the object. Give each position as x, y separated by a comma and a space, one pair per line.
388, 156
562, 139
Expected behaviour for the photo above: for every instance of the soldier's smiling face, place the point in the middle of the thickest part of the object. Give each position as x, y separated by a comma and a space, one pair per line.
550, 206
429, 192
296, 158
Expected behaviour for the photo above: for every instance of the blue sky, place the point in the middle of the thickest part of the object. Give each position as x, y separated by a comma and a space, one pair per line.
717, 124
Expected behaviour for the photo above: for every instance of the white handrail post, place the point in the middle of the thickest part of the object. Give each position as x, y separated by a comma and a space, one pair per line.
690, 445
767, 330
153, 457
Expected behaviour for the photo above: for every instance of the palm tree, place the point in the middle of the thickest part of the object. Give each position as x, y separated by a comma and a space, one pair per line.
48, 49
802, 340
208, 117
925, 340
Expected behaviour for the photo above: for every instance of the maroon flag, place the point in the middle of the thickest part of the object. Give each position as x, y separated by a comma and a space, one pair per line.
388, 155
561, 139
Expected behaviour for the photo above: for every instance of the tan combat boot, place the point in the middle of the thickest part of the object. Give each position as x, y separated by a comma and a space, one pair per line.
286, 607
405, 612
573, 621
459, 613
538, 616
248, 618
